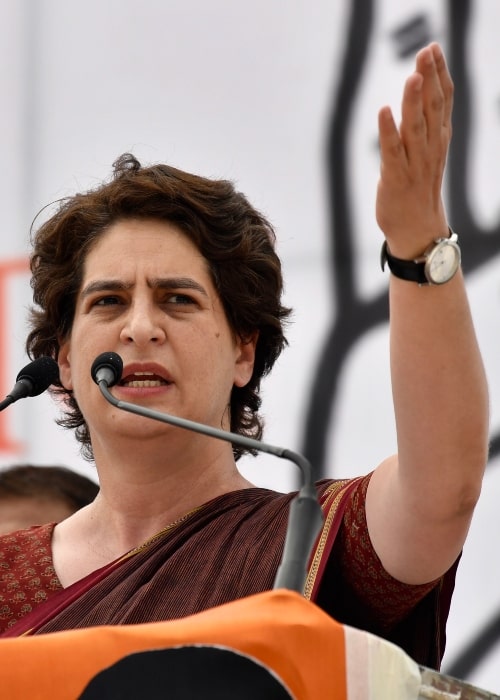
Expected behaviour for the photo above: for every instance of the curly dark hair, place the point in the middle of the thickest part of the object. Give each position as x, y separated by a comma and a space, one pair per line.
236, 240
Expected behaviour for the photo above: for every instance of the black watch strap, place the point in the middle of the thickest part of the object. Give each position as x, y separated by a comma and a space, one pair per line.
404, 269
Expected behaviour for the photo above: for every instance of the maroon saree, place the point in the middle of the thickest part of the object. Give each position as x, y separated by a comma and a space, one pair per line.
230, 548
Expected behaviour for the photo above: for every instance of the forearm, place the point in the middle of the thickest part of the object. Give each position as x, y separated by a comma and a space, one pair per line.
420, 502
440, 394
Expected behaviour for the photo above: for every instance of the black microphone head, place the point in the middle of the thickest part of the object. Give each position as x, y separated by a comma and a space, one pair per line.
38, 375
107, 366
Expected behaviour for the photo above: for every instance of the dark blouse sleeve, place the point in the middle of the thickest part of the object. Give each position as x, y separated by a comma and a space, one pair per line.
27, 575
357, 590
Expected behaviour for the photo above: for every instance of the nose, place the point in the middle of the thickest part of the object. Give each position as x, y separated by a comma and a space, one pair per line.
143, 324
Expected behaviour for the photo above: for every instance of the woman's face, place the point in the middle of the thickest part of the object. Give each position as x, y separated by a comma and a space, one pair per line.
147, 295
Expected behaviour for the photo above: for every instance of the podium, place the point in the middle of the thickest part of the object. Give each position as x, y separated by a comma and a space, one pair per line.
437, 685
271, 646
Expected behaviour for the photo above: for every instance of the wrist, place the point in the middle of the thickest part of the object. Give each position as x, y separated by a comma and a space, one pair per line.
437, 264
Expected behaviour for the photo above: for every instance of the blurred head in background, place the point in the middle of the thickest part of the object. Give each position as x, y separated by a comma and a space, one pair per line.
34, 495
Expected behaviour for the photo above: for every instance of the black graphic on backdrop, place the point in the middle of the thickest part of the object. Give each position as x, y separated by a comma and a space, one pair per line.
357, 316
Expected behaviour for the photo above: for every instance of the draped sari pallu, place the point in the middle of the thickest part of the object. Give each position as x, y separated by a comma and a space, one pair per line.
134, 585
275, 644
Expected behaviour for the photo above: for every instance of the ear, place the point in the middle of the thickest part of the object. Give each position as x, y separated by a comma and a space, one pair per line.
64, 362
245, 359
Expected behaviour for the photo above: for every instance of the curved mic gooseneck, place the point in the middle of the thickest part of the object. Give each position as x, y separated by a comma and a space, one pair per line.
305, 516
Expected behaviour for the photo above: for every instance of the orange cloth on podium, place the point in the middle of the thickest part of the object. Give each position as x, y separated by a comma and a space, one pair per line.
292, 637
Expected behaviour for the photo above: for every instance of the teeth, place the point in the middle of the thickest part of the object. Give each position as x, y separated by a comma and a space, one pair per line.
143, 374
141, 383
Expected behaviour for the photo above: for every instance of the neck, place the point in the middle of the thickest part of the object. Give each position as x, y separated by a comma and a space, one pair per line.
141, 492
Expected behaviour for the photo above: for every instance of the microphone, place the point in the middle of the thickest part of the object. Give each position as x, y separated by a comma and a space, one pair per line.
32, 380
305, 517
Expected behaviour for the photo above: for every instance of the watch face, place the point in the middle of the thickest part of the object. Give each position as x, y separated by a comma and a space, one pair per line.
443, 262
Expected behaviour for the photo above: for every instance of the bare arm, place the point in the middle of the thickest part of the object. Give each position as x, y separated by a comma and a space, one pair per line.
420, 502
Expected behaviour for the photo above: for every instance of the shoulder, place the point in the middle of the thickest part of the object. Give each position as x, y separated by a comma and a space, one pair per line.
352, 491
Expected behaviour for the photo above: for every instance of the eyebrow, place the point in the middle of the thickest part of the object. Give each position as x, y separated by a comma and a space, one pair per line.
156, 283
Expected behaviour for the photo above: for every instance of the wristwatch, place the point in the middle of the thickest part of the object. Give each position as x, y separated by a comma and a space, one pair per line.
437, 265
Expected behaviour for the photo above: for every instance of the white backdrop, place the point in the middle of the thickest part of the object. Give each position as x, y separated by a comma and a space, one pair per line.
244, 91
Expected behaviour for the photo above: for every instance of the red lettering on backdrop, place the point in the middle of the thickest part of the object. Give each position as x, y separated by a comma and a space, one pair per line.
8, 268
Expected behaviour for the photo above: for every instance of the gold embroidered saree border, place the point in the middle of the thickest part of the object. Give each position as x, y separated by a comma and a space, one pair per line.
332, 498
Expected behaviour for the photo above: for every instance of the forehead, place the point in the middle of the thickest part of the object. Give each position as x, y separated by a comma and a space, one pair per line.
132, 244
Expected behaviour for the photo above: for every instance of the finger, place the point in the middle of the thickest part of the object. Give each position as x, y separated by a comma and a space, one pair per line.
413, 123
432, 96
445, 81
391, 146
434, 101
425, 107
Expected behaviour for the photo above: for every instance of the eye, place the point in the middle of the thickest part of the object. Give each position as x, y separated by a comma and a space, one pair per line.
106, 301
179, 299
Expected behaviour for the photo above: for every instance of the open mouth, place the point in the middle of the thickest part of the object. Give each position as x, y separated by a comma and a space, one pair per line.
143, 380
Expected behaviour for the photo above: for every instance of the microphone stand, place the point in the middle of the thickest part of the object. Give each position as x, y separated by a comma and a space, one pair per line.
305, 518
